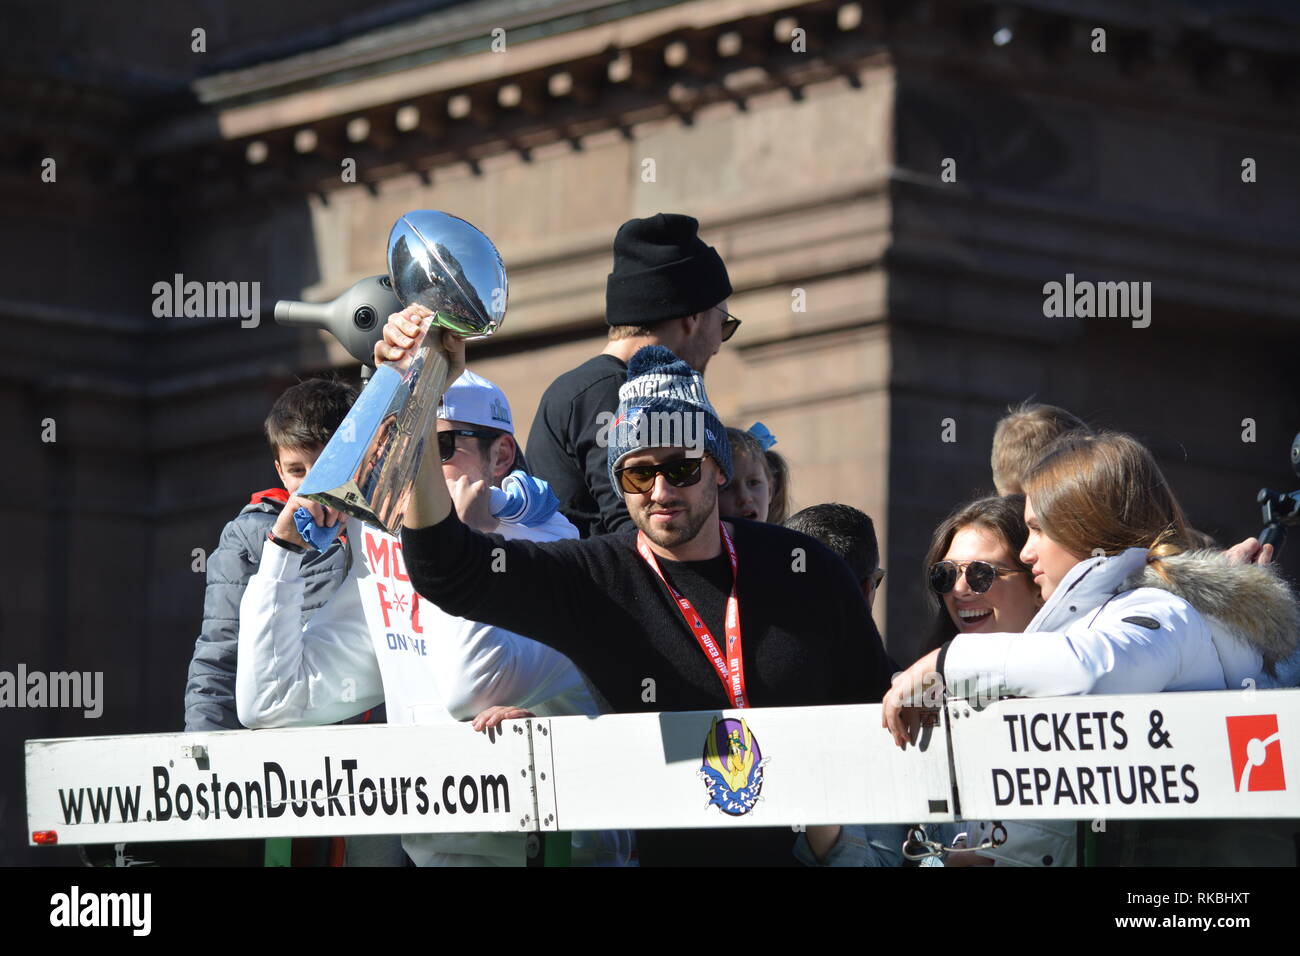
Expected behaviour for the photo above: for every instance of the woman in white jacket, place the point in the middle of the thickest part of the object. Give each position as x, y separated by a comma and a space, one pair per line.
1128, 608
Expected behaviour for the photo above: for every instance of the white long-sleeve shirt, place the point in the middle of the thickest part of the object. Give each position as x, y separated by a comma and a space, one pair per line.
343, 662
376, 641
1097, 636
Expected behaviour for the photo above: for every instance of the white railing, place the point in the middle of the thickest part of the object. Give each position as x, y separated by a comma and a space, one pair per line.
1218, 754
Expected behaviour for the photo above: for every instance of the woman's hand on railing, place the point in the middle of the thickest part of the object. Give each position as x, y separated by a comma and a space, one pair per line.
900, 707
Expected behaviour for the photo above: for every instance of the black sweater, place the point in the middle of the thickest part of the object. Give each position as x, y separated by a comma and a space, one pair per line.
807, 634
564, 446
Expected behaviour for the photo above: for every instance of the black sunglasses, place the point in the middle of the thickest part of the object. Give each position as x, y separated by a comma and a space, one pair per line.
640, 479
447, 439
980, 575
729, 324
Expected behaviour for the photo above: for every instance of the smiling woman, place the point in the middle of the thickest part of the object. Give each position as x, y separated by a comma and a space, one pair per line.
1127, 607
974, 578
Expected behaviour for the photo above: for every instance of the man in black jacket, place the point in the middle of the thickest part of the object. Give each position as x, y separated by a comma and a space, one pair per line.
668, 288
718, 615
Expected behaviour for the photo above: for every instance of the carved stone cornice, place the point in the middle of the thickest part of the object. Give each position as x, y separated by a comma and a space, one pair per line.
430, 91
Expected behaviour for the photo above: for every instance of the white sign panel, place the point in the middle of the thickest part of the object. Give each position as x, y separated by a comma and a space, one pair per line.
312, 781
1180, 755
757, 767
1216, 754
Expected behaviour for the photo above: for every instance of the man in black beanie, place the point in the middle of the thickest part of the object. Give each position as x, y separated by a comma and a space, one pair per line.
668, 288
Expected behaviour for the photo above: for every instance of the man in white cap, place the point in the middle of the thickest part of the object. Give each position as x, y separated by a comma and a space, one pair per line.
377, 641
476, 442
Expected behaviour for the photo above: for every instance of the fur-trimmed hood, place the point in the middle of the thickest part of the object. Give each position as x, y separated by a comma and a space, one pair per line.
1250, 610
1250, 600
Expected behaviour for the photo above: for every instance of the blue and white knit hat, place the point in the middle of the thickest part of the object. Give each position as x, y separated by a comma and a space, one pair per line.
663, 404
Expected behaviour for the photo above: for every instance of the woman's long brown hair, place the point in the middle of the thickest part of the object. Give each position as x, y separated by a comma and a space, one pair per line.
1104, 493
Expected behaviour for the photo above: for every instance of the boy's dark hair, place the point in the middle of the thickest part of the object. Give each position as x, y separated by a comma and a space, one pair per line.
845, 530
306, 415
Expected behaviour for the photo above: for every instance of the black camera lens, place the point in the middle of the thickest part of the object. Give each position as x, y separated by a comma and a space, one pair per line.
364, 318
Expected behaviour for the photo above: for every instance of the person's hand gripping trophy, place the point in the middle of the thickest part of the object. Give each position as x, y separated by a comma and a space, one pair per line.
450, 280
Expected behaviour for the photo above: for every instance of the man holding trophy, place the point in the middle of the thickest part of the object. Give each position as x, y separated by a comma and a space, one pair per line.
375, 640
614, 603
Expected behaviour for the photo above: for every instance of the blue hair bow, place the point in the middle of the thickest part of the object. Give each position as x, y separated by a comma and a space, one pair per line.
765, 437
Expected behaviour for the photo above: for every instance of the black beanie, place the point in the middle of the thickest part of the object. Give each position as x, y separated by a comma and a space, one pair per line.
662, 270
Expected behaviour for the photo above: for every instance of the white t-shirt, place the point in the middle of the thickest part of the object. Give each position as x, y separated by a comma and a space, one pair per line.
376, 641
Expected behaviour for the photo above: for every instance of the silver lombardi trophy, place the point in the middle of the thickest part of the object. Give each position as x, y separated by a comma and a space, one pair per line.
453, 270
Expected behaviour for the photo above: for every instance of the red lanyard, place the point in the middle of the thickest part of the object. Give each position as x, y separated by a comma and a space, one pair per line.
730, 666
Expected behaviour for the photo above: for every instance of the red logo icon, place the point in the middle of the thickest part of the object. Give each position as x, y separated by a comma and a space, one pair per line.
1255, 744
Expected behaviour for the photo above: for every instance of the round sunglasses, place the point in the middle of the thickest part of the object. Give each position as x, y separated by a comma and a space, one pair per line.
980, 575
640, 479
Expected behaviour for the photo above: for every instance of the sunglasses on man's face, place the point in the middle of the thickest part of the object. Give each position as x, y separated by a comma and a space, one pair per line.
447, 440
640, 479
729, 325
980, 575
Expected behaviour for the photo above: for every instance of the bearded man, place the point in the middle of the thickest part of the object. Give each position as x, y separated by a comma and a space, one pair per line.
718, 615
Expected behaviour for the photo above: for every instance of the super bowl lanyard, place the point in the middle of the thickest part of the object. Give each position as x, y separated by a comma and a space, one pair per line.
730, 666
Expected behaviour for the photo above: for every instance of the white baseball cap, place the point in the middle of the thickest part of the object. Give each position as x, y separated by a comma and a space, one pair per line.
476, 401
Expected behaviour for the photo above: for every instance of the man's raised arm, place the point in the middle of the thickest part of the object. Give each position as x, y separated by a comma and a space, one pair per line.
430, 502
515, 585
